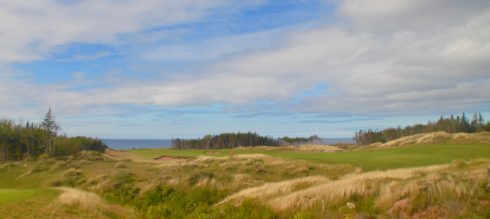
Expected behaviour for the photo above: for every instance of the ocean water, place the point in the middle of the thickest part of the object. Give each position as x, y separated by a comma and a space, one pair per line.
124, 144
337, 141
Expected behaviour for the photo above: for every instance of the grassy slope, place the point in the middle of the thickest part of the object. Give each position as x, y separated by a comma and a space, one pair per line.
16, 195
26, 194
383, 158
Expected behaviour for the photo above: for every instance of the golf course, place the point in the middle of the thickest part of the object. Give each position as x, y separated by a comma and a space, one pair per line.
310, 181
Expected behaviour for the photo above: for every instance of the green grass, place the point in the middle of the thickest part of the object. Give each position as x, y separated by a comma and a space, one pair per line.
12, 178
384, 158
16, 195
156, 152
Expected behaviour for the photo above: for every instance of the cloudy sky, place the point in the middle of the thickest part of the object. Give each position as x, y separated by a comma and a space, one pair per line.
185, 68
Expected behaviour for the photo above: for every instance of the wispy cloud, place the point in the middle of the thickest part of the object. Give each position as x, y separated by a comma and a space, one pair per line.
31, 29
372, 58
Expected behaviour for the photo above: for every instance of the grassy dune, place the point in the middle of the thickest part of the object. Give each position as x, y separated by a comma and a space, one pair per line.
417, 181
377, 158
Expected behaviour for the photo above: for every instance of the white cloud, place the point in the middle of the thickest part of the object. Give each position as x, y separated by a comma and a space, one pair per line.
409, 68
415, 14
212, 49
30, 29
390, 57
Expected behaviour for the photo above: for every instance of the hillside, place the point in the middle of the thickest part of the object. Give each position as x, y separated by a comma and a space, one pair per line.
418, 181
437, 138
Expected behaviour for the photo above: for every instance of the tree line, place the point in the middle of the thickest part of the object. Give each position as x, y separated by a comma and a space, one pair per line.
232, 140
451, 124
19, 140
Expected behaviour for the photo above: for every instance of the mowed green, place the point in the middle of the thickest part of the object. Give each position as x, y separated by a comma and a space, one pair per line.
16, 195
379, 158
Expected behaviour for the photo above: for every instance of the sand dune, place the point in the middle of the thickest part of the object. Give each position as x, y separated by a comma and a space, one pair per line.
438, 138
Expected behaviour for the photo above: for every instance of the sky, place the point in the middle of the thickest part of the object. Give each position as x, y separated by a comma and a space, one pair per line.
186, 68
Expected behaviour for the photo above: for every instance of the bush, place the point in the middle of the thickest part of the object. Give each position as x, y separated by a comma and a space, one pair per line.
69, 146
70, 178
194, 179
121, 188
120, 165
248, 209
167, 202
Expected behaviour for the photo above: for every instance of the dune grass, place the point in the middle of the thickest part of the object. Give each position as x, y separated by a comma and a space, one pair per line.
378, 158
275, 178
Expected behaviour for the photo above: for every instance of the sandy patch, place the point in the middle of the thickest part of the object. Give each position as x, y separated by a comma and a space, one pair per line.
170, 159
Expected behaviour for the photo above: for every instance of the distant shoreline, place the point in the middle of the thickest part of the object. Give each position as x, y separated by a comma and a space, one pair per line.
124, 144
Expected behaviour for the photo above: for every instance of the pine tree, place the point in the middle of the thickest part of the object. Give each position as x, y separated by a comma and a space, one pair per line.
49, 123
481, 122
50, 126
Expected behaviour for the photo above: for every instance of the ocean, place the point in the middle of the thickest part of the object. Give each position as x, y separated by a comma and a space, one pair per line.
125, 144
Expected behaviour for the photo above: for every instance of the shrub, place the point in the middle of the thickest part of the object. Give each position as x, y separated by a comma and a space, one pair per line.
120, 165
121, 188
247, 209
167, 202
70, 178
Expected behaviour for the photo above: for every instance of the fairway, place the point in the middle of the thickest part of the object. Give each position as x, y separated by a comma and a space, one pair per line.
15, 195
383, 158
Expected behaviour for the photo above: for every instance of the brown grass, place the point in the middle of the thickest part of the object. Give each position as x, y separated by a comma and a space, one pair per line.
401, 192
270, 190
91, 203
79, 198
363, 184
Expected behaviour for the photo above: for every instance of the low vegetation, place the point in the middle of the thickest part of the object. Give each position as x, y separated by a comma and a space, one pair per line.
452, 124
23, 140
262, 182
435, 175
233, 140
368, 158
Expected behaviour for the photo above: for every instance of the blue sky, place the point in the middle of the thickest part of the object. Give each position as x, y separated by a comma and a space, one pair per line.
162, 69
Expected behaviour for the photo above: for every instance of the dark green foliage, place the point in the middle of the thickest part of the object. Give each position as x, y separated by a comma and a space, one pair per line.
486, 127
449, 125
298, 140
18, 141
195, 178
73, 145
225, 140
247, 209
122, 188
166, 202
70, 178
232, 140
49, 124
199, 202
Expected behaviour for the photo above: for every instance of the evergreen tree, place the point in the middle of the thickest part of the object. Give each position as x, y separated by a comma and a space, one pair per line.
50, 126
49, 123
